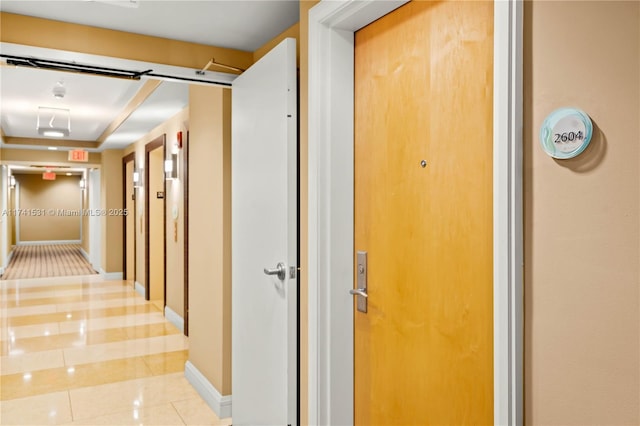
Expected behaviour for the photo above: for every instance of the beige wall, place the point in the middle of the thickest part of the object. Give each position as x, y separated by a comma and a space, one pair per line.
582, 235
173, 197
40, 196
291, 32
304, 206
111, 199
209, 234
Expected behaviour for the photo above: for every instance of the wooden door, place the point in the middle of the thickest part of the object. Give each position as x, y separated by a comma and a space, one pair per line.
129, 192
155, 222
423, 213
156, 227
95, 221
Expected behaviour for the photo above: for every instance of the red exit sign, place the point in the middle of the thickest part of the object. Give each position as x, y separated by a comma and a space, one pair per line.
78, 155
49, 176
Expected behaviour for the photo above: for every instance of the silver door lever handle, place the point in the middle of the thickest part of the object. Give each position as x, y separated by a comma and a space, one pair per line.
280, 271
359, 292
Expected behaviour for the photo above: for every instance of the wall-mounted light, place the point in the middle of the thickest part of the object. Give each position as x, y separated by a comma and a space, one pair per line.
12, 182
83, 184
171, 167
136, 179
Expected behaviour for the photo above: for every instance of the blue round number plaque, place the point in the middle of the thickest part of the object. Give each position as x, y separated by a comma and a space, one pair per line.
566, 133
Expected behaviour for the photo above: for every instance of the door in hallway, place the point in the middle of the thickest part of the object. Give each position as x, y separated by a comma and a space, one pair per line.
264, 240
423, 213
155, 222
129, 219
95, 222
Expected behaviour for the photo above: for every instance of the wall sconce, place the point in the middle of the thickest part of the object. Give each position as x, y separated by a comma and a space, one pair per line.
83, 184
171, 167
12, 182
138, 178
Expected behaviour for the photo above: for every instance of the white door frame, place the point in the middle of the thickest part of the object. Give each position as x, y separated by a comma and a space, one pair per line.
331, 47
95, 222
4, 216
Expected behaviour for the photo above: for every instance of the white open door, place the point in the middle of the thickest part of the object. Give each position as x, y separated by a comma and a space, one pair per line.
264, 240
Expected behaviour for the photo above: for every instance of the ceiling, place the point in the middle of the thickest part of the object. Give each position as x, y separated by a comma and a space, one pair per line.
236, 24
94, 102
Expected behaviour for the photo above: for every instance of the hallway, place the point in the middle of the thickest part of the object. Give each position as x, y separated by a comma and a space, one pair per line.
47, 260
82, 350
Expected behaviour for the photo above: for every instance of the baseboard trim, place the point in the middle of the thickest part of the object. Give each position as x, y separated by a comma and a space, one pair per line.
221, 405
41, 243
111, 275
174, 318
9, 257
86, 256
6, 263
140, 289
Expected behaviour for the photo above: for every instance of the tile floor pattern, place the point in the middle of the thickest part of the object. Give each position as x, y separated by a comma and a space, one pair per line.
84, 351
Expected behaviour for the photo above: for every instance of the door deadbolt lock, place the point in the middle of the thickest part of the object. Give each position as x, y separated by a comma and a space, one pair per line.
361, 291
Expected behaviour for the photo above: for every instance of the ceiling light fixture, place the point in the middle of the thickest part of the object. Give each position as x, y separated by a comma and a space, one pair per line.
59, 122
53, 133
53, 148
120, 3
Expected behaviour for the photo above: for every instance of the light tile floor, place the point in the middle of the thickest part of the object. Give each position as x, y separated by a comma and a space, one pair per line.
84, 351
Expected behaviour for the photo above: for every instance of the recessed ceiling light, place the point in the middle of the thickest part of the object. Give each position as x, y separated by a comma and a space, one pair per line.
54, 133
121, 3
53, 148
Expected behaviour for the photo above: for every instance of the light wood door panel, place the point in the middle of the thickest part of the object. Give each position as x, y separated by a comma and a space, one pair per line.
130, 236
156, 217
424, 92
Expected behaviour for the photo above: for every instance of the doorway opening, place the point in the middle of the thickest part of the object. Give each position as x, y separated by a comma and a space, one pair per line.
129, 223
155, 215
